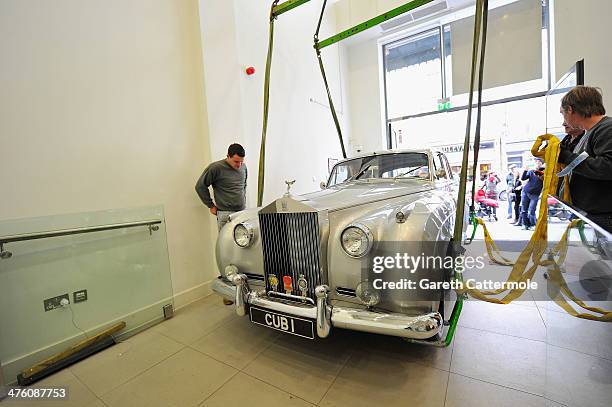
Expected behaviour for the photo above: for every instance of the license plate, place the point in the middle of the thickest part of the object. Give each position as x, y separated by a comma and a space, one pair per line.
284, 323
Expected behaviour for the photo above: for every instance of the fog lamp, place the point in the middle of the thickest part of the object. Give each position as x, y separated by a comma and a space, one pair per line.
367, 294
425, 324
231, 271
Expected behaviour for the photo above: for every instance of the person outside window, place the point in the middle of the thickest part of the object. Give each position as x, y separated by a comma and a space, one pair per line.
530, 195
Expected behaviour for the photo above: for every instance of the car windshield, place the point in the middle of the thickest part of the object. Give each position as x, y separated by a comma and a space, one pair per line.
401, 165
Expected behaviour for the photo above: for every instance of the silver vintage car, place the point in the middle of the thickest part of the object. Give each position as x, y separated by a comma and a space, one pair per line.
298, 265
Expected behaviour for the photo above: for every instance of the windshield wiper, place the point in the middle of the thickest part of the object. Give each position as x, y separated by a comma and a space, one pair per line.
360, 173
407, 172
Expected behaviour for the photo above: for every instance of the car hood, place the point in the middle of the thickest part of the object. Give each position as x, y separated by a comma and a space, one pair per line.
361, 192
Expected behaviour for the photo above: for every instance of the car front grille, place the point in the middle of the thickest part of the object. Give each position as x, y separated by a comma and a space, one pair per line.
291, 247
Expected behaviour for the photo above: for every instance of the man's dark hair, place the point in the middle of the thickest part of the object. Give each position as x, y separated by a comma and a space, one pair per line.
585, 101
234, 149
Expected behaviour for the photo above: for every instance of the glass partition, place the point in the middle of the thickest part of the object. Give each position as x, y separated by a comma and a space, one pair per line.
578, 349
553, 341
573, 77
112, 266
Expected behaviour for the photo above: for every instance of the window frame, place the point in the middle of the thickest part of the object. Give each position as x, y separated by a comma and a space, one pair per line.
441, 23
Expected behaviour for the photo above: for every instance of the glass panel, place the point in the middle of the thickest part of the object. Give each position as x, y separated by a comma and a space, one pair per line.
579, 351
448, 62
125, 271
413, 74
517, 23
554, 120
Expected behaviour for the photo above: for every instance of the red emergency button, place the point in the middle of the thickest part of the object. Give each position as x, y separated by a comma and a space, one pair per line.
288, 283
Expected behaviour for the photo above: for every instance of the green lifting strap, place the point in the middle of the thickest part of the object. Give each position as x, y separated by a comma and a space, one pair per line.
329, 96
479, 104
349, 33
398, 11
286, 6
481, 8
264, 130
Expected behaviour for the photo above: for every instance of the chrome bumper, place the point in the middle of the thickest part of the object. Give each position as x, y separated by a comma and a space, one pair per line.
415, 327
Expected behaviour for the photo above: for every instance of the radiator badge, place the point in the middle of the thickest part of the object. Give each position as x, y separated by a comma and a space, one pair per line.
273, 282
288, 283
303, 285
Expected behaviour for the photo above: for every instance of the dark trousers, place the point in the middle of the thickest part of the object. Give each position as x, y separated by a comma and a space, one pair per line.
509, 204
517, 206
529, 203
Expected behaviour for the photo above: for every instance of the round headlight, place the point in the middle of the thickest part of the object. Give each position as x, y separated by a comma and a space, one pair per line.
356, 240
243, 235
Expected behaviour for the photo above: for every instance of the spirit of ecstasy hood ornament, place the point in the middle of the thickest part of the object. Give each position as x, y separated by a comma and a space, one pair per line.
289, 185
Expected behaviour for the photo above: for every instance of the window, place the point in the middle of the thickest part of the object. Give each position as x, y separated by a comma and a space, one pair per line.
429, 72
404, 165
413, 73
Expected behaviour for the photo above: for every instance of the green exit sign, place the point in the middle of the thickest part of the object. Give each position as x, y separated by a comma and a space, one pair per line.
444, 106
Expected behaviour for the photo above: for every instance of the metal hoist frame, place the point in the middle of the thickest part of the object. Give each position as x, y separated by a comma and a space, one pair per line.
480, 30
279, 9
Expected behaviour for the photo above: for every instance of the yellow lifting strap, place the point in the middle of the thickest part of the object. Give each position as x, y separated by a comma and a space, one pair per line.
537, 246
494, 253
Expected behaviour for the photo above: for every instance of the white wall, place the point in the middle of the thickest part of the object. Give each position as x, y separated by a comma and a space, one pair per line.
365, 96
582, 31
102, 108
301, 134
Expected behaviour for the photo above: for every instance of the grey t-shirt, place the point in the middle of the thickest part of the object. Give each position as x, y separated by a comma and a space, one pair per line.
229, 186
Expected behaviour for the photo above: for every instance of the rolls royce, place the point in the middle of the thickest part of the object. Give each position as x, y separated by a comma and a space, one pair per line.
302, 264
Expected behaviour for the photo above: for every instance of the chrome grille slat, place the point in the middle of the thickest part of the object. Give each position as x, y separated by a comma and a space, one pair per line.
291, 246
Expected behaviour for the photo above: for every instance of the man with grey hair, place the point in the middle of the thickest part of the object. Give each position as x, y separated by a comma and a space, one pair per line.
589, 163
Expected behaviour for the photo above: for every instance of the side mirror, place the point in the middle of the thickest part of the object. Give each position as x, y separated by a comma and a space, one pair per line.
323, 184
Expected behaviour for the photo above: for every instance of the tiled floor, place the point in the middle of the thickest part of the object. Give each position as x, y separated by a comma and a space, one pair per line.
208, 356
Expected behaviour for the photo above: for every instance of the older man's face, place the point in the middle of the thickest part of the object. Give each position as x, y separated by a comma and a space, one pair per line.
569, 117
572, 131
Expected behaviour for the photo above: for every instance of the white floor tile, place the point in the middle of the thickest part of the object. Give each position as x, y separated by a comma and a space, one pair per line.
376, 379
244, 390
114, 366
499, 359
78, 394
300, 366
466, 392
578, 380
185, 379
506, 319
236, 343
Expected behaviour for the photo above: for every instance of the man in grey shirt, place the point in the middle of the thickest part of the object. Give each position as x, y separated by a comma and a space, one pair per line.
228, 179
